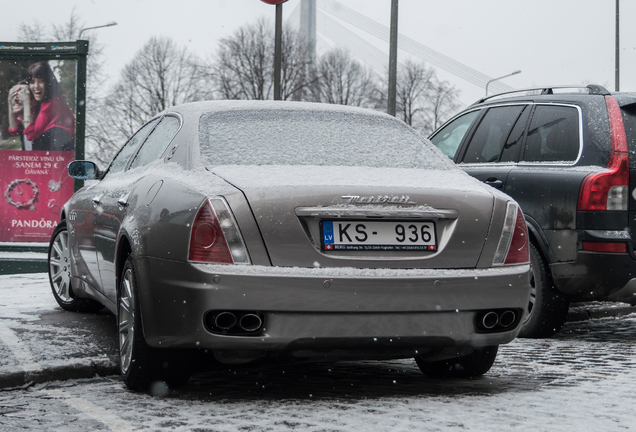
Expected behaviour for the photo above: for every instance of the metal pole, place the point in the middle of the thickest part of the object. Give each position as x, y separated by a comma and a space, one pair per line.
278, 50
617, 73
80, 115
308, 27
308, 32
392, 99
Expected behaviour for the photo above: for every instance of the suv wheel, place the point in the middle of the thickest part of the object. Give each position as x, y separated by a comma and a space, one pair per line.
547, 308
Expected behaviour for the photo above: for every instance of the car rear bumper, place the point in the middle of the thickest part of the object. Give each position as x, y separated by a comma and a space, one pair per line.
326, 312
626, 294
594, 275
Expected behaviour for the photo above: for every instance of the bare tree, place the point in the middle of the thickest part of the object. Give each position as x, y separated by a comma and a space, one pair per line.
414, 86
244, 64
243, 67
442, 104
296, 76
32, 32
161, 75
343, 80
423, 101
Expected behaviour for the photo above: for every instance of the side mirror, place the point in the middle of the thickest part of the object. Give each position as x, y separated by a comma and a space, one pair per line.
83, 170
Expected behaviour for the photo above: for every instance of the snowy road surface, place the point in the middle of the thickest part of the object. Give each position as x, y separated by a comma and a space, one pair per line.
584, 379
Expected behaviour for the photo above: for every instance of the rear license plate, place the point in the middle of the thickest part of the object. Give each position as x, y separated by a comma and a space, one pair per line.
378, 235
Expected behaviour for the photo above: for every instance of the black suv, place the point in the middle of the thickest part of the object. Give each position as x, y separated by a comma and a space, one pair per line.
568, 157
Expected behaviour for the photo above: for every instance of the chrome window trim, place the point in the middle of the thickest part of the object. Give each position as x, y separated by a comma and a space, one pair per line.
559, 164
524, 163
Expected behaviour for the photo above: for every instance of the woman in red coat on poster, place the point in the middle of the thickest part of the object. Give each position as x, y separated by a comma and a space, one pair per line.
48, 123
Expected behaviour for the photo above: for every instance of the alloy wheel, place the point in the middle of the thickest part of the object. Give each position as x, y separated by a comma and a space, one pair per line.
126, 320
59, 267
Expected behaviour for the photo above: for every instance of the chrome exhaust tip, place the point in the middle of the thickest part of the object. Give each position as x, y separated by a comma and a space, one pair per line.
490, 320
507, 318
225, 320
250, 322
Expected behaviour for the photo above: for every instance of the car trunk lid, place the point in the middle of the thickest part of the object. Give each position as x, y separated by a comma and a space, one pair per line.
292, 203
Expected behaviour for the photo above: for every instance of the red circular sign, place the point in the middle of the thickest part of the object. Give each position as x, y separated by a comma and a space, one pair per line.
273, 2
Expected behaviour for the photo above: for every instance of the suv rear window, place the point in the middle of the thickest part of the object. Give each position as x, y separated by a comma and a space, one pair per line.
553, 135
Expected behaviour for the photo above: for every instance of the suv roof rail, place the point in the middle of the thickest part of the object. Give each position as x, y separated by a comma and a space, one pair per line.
593, 89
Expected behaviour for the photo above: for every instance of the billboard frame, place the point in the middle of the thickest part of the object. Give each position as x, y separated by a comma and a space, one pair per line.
31, 258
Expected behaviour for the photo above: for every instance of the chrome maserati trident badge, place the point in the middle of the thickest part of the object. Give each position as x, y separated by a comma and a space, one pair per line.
378, 199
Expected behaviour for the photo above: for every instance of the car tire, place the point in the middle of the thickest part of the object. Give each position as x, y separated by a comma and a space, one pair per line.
137, 360
59, 265
474, 364
548, 308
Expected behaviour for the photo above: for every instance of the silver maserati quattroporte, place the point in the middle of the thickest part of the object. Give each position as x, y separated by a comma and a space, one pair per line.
291, 231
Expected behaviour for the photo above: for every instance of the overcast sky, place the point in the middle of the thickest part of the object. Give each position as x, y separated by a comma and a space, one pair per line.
551, 41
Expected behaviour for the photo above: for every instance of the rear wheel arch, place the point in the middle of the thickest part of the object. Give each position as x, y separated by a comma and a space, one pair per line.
124, 249
536, 237
141, 364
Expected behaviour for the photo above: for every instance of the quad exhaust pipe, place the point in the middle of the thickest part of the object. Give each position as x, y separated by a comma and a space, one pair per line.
234, 322
490, 320
250, 322
225, 320
497, 320
507, 318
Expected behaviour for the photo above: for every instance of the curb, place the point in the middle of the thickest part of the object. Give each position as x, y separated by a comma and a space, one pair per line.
13, 380
586, 311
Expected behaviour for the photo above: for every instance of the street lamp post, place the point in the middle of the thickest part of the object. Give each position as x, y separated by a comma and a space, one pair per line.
617, 51
110, 24
393, 49
497, 79
278, 50
278, 37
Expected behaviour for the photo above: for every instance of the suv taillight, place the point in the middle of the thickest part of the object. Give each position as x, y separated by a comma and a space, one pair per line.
605, 247
513, 244
215, 237
608, 189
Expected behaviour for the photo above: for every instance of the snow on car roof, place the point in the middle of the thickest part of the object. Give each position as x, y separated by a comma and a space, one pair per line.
231, 105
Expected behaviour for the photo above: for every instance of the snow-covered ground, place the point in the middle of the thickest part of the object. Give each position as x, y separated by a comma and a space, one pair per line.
37, 336
584, 379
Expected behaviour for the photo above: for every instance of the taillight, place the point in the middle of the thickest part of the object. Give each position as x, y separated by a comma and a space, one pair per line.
513, 244
608, 189
605, 247
215, 236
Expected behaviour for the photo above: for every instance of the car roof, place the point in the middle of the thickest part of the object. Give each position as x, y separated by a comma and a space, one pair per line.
556, 94
199, 108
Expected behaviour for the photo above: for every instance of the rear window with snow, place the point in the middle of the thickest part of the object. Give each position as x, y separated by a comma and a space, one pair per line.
297, 137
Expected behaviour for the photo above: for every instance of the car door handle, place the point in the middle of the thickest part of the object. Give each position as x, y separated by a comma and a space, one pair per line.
97, 199
496, 183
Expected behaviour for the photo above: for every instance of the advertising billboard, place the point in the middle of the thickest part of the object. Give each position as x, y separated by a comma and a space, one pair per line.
41, 131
